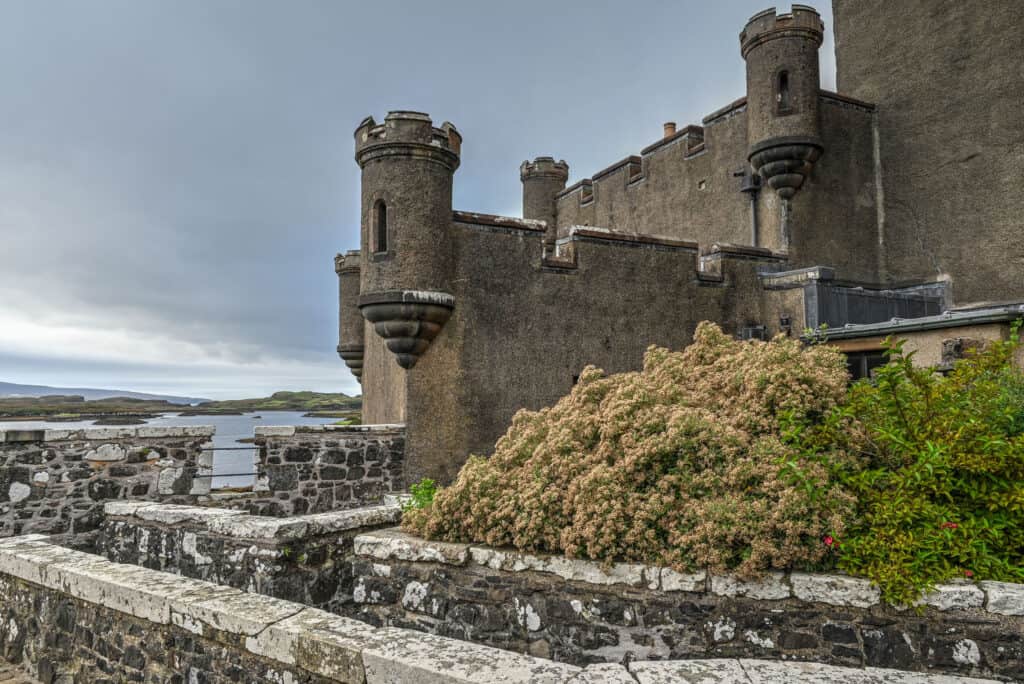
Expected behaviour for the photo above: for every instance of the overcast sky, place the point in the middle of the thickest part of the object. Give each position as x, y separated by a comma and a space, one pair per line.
176, 176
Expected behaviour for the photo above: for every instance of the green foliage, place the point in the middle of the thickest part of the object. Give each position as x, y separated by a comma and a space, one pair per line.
747, 456
680, 464
937, 466
422, 495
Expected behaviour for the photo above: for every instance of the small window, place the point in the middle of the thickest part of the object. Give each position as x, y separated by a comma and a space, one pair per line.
380, 227
861, 364
782, 92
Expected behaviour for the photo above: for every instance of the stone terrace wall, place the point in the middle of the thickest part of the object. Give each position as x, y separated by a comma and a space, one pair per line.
319, 468
71, 617
582, 612
74, 617
307, 559
56, 481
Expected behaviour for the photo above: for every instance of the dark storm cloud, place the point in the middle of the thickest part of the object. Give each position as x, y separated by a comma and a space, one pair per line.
176, 176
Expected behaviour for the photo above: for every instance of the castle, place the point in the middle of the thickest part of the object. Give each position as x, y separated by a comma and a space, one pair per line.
897, 198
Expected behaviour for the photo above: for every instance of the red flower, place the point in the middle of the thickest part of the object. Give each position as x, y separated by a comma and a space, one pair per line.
949, 525
829, 541
968, 573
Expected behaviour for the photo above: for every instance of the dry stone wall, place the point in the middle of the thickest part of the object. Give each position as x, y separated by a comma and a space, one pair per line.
319, 468
307, 558
583, 612
56, 481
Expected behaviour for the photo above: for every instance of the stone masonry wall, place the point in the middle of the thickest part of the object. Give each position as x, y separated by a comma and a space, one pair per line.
56, 481
319, 468
74, 618
306, 559
582, 612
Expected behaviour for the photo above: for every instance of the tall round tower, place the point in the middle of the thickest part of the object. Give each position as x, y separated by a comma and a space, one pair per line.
407, 167
543, 179
781, 52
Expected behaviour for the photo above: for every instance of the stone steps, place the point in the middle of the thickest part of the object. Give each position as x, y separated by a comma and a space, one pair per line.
12, 674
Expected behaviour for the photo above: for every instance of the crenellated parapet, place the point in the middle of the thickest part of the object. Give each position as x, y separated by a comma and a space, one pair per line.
408, 134
802, 22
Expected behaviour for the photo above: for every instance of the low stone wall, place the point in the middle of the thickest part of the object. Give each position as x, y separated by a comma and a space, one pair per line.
318, 468
582, 612
56, 481
307, 558
71, 616
68, 616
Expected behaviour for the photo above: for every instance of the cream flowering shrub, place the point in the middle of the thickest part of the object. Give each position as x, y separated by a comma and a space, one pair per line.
680, 464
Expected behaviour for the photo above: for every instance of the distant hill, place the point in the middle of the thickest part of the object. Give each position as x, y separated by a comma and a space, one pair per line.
286, 401
9, 389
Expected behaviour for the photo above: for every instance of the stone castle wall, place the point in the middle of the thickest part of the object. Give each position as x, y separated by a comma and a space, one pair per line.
946, 78
685, 188
56, 481
524, 327
320, 468
581, 611
305, 558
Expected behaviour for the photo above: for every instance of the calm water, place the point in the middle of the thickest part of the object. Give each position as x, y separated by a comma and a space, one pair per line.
229, 430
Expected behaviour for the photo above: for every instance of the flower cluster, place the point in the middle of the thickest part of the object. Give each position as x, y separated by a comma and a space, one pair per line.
682, 463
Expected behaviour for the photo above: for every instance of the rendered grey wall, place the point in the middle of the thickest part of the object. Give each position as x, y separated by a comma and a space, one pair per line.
947, 77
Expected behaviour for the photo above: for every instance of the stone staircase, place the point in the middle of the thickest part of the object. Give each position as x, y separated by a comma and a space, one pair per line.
12, 674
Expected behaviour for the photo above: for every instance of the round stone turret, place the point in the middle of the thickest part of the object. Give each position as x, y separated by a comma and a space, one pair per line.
543, 179
407, 167
350, 322
781, 52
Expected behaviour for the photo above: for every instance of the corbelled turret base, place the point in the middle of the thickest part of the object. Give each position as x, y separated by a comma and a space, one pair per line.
352, 355
785, 162
407, 320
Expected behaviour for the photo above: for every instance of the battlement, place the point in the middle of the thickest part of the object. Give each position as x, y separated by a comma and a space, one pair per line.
347, 262
802, 21
408, 134
544, 167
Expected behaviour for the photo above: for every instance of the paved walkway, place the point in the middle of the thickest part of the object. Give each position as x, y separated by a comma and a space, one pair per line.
12, 674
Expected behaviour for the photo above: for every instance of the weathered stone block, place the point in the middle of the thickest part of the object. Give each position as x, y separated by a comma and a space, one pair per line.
1004, 598
395, 544
837, 590
772, 587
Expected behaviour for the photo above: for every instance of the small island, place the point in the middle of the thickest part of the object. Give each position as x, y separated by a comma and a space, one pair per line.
132, 411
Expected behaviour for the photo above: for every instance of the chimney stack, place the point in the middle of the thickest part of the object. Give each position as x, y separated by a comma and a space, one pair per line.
670, 129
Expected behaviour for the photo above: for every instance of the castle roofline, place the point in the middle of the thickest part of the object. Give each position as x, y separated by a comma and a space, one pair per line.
954, 318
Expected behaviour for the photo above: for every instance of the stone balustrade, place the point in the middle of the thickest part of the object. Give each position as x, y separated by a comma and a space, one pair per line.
582, 611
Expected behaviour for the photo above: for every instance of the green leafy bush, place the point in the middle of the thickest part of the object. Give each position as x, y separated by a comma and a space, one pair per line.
422, 495
937, 466
679, 464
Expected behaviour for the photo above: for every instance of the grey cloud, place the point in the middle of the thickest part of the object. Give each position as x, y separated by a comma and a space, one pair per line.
186, 165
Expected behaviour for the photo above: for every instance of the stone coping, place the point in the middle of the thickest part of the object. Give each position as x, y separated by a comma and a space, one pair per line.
1000, 598
236, 524
289, 430
106, 433
345, 650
